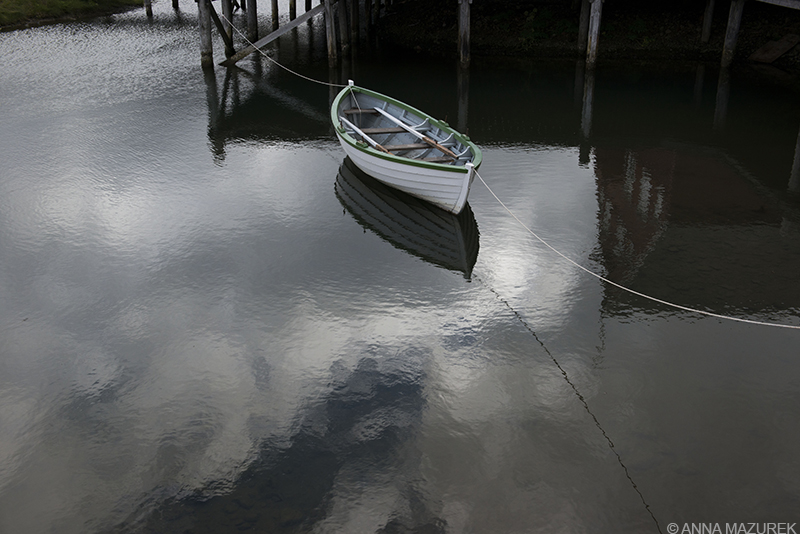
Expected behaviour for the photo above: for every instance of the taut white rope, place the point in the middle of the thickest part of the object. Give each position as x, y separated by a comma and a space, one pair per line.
607, 281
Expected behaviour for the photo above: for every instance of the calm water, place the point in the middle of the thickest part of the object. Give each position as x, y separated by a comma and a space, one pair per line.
206, 324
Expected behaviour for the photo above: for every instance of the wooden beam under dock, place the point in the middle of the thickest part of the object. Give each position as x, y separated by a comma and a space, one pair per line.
272, 36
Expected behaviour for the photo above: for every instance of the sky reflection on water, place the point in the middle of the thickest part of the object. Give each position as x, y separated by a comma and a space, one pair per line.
196, 333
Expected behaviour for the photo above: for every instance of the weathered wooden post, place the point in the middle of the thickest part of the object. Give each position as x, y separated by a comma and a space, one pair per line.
330, 32
275, 15
308, 5
252, 21
175, 4
732, 33
206, 48
354, 27
292, 9
227, 14
708, 16
344, 34
148, 8
368, 16
594, 33
463, 31
583, 26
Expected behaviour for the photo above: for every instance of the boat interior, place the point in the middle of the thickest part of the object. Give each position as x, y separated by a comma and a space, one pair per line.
394, 130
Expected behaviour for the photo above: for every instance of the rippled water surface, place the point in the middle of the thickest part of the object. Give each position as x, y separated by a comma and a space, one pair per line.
210, 322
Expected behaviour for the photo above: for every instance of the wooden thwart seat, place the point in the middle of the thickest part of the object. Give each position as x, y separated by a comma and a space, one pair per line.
390, 129
444, 150
389, 149
412, 146
356, 111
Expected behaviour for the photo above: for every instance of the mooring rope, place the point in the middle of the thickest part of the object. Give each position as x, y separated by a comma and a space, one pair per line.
578, 394
542, 241
287, 69
620, 286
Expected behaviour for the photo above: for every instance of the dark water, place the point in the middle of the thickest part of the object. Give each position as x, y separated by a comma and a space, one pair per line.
206, 324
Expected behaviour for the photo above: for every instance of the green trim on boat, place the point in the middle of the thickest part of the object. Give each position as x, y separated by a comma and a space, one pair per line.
478, 156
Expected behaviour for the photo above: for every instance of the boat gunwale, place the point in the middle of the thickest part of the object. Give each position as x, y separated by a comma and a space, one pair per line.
343, 134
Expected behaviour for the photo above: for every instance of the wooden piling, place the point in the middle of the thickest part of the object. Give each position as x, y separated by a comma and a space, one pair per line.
206, 48
227, 14
344, 34
275, 15
252, 21
222, 31
583, 26
708, 16
367, 17
292, 9
732, 32
175, 5
594, 33
148, 8
354, 24
330, 31
463, 31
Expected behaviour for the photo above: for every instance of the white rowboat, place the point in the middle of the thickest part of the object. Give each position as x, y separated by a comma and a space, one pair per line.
405, 148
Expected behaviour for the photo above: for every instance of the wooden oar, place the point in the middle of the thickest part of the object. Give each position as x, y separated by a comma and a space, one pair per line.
419, 135
364, 136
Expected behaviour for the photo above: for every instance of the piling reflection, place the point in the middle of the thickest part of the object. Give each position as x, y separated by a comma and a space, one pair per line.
247, 105
794, 177
410, 224
689, 222
588, 103
723, 95
463, 99
690, 226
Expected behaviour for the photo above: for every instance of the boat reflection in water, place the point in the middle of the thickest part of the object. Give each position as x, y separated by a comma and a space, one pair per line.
410, 224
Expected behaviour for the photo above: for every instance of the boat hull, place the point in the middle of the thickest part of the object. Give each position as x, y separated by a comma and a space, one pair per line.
448, 190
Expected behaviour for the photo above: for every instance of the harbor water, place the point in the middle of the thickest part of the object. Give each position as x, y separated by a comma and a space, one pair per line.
211, 323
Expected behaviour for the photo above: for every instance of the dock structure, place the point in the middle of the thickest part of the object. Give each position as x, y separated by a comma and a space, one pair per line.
735, 21
344, 24
347, 20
